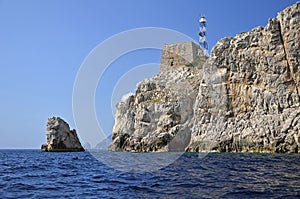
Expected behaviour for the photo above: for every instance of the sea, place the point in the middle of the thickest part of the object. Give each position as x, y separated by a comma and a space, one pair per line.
36, 174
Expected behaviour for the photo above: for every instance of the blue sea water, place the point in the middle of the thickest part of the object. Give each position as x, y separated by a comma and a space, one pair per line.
33, 174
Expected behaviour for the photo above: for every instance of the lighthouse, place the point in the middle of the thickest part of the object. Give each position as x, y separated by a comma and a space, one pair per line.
202, 36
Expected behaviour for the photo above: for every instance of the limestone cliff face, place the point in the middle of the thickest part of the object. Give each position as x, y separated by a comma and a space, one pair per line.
249, 100
60, 138
244, 98
157, 117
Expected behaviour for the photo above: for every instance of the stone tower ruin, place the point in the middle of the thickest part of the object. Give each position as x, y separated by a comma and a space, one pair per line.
179, 54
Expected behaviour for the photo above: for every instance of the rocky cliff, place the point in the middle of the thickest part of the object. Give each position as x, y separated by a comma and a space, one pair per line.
245, 97
160, 110
60, 138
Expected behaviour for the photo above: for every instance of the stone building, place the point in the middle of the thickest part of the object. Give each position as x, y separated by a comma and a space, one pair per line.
180, 54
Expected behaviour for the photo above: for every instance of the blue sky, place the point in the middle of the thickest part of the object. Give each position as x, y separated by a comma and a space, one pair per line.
43, 44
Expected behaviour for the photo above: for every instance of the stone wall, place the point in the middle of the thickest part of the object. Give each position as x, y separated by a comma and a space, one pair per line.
179, 54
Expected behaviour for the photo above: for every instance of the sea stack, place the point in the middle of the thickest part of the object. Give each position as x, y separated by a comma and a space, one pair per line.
60, 138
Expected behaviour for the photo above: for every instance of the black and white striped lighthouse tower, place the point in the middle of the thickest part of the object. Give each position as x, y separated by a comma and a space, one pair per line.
202, 36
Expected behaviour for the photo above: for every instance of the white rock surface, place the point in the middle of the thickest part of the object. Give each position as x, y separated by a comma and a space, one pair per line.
60, 138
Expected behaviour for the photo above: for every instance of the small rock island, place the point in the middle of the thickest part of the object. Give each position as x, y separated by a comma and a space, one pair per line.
60, 138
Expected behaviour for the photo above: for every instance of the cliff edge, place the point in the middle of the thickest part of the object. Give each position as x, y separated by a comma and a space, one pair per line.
244, 97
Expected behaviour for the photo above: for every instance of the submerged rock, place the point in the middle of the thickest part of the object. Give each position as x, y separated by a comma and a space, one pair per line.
60, 138
245, 97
